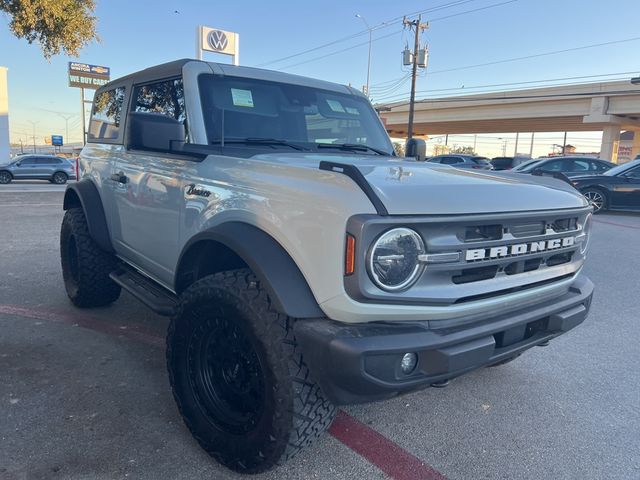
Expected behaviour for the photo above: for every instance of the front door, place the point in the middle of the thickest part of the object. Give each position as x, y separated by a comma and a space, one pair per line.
626, 194
148, 191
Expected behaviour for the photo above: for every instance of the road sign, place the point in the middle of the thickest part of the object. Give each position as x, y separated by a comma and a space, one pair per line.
56, 140
84, 75
218, 41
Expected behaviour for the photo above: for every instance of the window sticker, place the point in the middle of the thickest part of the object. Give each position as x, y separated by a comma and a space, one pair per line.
242, 98
352, 111
335, 105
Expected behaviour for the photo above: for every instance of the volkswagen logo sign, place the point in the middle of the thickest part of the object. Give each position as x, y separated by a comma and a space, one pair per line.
217, 40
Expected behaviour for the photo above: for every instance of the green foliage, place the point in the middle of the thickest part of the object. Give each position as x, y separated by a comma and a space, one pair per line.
57, 25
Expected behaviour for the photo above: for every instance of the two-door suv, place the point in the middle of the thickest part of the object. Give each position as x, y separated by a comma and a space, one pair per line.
302, 263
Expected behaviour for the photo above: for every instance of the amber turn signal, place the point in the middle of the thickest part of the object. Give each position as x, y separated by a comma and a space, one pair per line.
350, 255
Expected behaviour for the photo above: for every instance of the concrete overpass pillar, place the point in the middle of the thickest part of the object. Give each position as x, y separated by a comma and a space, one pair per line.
635, 147
610, 142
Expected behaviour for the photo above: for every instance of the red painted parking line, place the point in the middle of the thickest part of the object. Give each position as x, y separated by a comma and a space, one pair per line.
84, 321
617, 224
380, 451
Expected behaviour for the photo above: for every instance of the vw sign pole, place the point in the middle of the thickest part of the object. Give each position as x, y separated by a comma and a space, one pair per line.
217, 41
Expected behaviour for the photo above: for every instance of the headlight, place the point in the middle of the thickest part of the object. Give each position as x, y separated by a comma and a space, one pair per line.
393, 262
586, 233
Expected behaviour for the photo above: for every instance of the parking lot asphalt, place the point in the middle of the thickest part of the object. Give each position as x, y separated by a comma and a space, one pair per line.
84, 393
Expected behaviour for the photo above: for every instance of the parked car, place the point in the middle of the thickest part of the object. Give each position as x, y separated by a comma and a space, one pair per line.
39, 167
463, 161
616, 189
570, 166
507, 163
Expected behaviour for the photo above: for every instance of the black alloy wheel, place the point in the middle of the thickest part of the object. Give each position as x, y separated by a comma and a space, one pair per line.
5, 177
596, 198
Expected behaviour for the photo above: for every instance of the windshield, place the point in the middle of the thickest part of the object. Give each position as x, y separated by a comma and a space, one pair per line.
526, 165
244, 108
621, 168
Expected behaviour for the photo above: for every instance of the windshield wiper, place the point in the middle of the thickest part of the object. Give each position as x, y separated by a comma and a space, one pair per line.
257, 141
356, 147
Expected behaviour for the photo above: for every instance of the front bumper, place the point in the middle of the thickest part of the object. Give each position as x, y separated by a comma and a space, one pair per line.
356, 363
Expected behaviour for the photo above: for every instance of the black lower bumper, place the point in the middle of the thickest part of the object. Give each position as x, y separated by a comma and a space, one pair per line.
356, 363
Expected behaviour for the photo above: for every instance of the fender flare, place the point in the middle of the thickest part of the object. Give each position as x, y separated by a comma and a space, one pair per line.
270, 262
85, 194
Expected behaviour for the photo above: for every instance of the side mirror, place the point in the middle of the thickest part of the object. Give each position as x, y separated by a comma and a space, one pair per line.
537, 171
152, 131
416, 147
18, 164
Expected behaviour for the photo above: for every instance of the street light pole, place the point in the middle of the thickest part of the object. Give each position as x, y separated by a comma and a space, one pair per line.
369, 57
33, 124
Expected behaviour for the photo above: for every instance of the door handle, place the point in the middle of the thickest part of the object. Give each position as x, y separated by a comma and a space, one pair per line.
119, 177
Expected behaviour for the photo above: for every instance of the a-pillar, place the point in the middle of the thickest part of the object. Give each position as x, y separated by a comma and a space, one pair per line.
610, 142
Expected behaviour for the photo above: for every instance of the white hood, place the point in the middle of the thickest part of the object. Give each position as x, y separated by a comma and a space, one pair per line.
407, 187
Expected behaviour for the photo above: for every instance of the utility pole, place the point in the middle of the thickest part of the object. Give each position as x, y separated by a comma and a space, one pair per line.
369, 58
419, 27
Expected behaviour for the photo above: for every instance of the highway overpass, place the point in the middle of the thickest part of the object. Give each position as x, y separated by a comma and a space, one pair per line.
610, 107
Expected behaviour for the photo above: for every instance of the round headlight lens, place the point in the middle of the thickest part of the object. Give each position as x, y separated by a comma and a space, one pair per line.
393, 259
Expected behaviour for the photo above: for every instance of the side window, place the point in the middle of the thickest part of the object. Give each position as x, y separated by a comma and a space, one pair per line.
164, 98
435, 159
44, 161
599, 167
580, 166
633, 173
555, 166
105, 116
28, 161
451, 160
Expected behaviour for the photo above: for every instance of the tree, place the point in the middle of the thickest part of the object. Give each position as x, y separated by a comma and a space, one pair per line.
463, 150
57, 25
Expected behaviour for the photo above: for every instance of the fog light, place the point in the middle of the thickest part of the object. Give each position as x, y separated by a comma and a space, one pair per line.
408, 363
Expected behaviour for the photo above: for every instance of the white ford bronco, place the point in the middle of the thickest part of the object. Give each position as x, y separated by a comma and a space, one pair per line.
302, 263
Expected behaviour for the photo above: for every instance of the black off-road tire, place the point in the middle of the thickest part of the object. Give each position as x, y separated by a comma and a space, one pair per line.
229, 316
85, 266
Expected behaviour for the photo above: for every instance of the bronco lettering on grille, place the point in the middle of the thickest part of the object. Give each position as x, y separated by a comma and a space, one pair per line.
519, 248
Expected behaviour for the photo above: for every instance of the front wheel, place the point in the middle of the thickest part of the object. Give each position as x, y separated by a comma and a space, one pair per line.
5, 177
238, 377
596, 198
59, 178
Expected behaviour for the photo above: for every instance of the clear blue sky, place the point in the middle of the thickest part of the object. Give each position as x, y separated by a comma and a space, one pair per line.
137, 34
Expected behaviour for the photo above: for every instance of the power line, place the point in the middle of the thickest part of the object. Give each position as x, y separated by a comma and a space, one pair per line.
544, 82
384, 24
518, 97
336, 52
555, 52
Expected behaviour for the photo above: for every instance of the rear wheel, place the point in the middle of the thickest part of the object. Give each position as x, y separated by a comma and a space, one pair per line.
59, 178
85, 267
5, 177
238, 377
596, 198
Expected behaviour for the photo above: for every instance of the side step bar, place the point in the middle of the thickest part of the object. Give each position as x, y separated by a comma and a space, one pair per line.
157, 298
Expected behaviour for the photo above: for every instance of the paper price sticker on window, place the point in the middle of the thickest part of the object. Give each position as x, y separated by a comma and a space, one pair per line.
242, 98
336, 106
